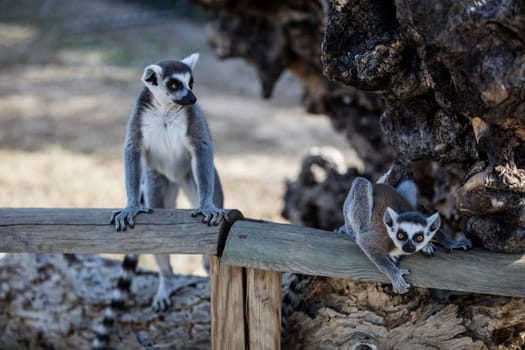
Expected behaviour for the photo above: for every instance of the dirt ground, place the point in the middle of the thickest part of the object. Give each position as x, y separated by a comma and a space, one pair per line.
69, 74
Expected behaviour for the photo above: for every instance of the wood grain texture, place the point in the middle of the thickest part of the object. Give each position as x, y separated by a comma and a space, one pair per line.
89, 231
261, 245
304, 250
263, 309
227, 296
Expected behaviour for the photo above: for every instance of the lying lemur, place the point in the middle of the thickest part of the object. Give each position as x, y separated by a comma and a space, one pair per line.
385, 224
168, 147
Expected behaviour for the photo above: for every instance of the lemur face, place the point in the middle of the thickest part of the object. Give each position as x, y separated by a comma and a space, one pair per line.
171, 82
411, 231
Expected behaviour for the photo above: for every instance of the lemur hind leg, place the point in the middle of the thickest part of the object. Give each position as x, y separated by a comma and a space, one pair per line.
447, 241
159, 192
162, 300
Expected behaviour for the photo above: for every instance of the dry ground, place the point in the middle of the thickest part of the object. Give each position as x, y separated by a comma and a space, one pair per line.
65, 96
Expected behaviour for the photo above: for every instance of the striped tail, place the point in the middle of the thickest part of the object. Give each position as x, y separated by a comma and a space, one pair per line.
293, 290
120, 294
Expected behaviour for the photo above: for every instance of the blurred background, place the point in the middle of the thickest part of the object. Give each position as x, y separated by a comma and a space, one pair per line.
69, 76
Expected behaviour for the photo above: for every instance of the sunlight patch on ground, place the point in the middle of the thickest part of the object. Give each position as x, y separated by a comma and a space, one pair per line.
55, 177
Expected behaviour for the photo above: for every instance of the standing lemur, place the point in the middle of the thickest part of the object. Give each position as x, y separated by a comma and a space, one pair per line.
168, 147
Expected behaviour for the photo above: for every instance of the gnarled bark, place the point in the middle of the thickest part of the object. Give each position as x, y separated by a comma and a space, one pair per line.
341, 314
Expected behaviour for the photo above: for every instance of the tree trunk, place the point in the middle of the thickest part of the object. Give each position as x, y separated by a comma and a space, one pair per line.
54, 301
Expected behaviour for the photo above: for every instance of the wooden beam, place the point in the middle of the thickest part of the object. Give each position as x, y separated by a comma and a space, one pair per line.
280, 247
261, 245
263, 309
89, 231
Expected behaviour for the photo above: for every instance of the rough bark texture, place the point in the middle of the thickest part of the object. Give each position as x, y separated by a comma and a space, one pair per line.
54, 301
341, 314
451, 74
316, 196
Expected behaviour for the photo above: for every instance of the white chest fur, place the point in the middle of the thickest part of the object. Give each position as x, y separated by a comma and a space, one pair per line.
166, 144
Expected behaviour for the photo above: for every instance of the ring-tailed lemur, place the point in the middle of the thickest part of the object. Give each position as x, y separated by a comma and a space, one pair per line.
383, 222
360, 210
168, 147
386, 226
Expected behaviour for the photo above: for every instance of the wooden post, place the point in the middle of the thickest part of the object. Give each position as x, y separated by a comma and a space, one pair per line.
245, 307
227, 306
263, 308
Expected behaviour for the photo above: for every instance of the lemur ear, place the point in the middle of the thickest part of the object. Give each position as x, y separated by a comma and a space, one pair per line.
433, 222
151, 74
191, 60
390, 217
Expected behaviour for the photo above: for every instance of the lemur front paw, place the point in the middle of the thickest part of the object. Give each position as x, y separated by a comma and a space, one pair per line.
346, 230
212, 215
124, 217
341, 229
451, 242
399, 283
429, 249
464, 244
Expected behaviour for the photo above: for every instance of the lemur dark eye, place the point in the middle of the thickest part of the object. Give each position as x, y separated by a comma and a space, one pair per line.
191, 83
401, 235
175, 85
419, 237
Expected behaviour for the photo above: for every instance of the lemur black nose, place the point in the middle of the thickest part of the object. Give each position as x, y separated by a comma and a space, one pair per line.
409, 247
187, 99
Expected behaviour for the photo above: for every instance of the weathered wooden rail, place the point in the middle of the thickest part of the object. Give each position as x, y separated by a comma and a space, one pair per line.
247, 259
